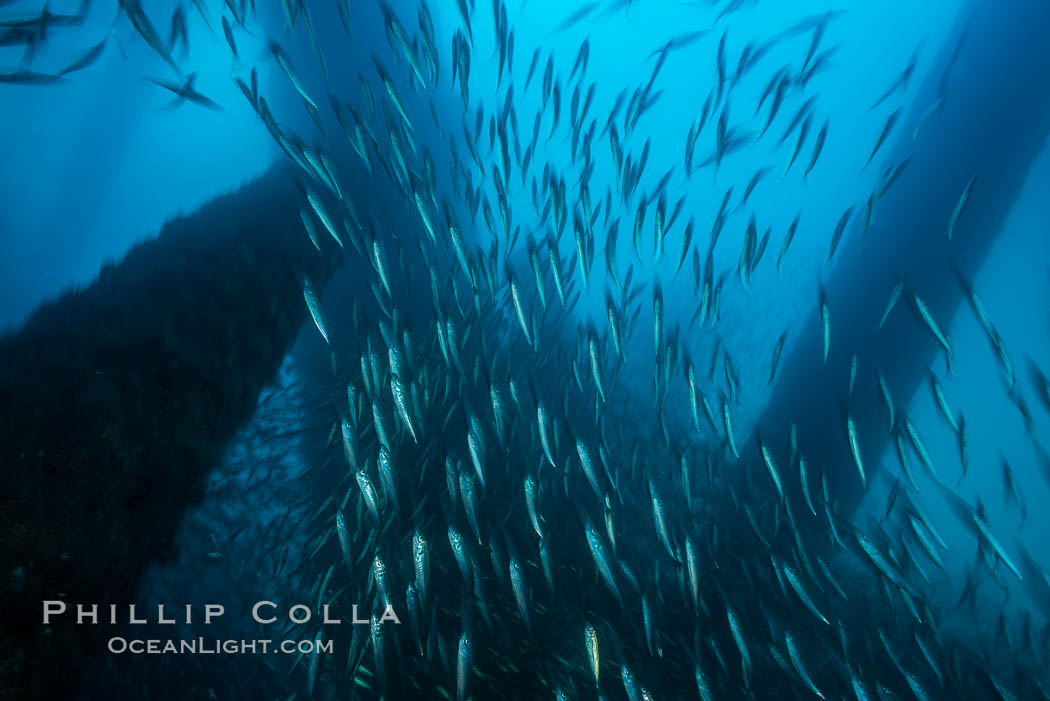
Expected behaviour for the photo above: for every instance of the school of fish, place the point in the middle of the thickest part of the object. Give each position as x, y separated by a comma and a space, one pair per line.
552, 497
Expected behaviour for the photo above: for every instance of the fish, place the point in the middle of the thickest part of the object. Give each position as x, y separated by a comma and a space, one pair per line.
521, 592
576, 17
464, 666
186, 91
658, 306
85, 59
202, 10
796, 585
767, 458
942, 402
802, 133
286, 66
895, 296
818, 148
1011, 492
899, 83
227, 31
960, 206
369, 494
344, 540
660, 520
728, 425
543, 422
920, 448
836, 236
400, 394
386, 476
28, 77
311, 675
886, 396
854, 447
630, 686
142, 24
752, 184
887, 128
561, 460
687, 240
774, 362
825, 320
789, 236
582, 57
421, 561
878, 559
476, 449
601, 559
590, 636
932, 325
796, 662
587, 463
313, 303
322, 214
741, 645
804, 480
693, 570
854, 364
974, 519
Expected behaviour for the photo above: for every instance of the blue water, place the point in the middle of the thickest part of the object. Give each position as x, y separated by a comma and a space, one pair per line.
92, 166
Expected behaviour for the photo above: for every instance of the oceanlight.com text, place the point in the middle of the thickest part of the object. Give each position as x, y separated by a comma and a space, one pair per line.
214, 646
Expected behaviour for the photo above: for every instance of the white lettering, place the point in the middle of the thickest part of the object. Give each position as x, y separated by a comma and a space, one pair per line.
213, 611
53, 608
259, 605
299, 607
389, 615
82, 614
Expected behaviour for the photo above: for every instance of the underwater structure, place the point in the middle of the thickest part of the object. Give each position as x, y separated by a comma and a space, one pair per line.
997, 125
117, 403
118, 400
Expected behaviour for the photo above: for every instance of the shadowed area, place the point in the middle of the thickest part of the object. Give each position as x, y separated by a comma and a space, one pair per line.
120, 397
